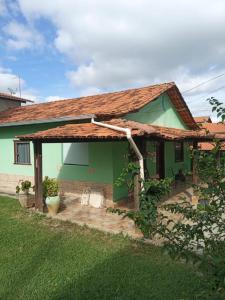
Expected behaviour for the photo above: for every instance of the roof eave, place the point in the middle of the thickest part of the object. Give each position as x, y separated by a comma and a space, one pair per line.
44, 121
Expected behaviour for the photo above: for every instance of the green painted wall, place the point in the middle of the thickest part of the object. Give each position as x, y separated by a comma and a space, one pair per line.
100, 168
7, 135
172, 167
151, 158
120, 161
159, 112
100, 156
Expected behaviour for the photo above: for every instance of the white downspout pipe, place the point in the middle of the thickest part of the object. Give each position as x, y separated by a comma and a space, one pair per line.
127, 131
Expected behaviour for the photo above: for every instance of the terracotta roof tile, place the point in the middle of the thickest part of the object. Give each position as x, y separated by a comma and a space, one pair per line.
214, 127
104, 106
89, 131
205, 146
203, 119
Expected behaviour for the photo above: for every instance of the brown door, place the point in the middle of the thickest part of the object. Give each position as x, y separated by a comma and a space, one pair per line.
160, 160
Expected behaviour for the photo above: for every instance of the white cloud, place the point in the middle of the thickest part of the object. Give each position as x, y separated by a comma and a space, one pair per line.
9, 82
2, 7
21, 36
89, 91
52, 98
119, 44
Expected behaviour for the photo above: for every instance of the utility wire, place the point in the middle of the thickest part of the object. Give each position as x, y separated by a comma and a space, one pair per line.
204, 82
220, 88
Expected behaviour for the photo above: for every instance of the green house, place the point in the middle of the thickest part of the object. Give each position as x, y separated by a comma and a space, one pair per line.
60, 139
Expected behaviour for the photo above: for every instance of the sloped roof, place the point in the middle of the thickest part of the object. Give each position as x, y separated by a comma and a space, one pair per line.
218, 129
203, 119
206, 146
104, 106
214, 127
13, 98
89, 131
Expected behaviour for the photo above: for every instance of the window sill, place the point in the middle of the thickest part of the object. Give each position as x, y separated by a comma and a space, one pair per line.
23, 164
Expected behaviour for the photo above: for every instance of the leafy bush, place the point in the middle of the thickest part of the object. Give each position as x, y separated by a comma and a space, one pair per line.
199, 235
50, 187
24, 186
151, 193
127, 176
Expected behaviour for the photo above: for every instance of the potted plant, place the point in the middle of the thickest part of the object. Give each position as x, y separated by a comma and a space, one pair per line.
51, 194
25, 198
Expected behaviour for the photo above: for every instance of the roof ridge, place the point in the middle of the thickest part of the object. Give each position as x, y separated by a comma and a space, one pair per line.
105, 106
172, 83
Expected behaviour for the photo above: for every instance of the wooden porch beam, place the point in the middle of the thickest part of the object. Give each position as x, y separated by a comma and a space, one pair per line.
38, 175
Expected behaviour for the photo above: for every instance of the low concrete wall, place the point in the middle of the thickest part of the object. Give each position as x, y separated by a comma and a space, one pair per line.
8, 182
70, 189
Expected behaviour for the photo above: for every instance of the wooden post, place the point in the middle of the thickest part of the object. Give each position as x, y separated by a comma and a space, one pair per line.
194, 166
38, 175
160, 159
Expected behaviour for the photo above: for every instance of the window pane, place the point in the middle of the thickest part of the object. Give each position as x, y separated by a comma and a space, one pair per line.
75, 153
22, 153
179, 155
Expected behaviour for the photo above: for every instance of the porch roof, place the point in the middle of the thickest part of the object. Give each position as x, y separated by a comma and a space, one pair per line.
92, 132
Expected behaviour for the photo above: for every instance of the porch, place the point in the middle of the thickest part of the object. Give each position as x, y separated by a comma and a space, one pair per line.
88, 132
98, 218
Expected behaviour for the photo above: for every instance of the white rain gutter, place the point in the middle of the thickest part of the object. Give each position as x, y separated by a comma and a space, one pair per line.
127, 131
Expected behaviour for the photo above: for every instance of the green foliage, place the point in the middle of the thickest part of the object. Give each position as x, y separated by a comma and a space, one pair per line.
24, 186
217, 107
50, 187
127, 176
151, 193
199, 235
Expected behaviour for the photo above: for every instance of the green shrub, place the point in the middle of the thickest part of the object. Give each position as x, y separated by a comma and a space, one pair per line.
24, 186
50, 187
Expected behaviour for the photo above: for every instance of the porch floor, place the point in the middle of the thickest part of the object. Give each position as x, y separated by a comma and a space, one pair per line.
99, 218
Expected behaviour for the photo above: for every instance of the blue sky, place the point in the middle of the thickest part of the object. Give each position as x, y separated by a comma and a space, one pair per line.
43, 69
66, 48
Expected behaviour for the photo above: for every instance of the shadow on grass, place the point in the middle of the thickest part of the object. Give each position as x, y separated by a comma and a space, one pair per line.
42, 262
27, 267
127, 275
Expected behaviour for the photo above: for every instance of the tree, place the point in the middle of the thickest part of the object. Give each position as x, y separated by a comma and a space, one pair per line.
199, 234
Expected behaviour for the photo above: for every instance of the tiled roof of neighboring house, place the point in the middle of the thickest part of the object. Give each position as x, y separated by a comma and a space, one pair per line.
206, 146
203, 119
13, 98
214, 127
89, 131
104, 106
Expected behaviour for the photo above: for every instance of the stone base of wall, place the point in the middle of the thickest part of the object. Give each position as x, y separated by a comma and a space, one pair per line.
8, 182
69, 189
72, 190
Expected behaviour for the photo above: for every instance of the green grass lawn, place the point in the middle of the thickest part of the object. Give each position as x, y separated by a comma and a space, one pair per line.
45, 259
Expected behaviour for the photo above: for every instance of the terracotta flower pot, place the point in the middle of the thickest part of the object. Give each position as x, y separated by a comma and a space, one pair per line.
26, 200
